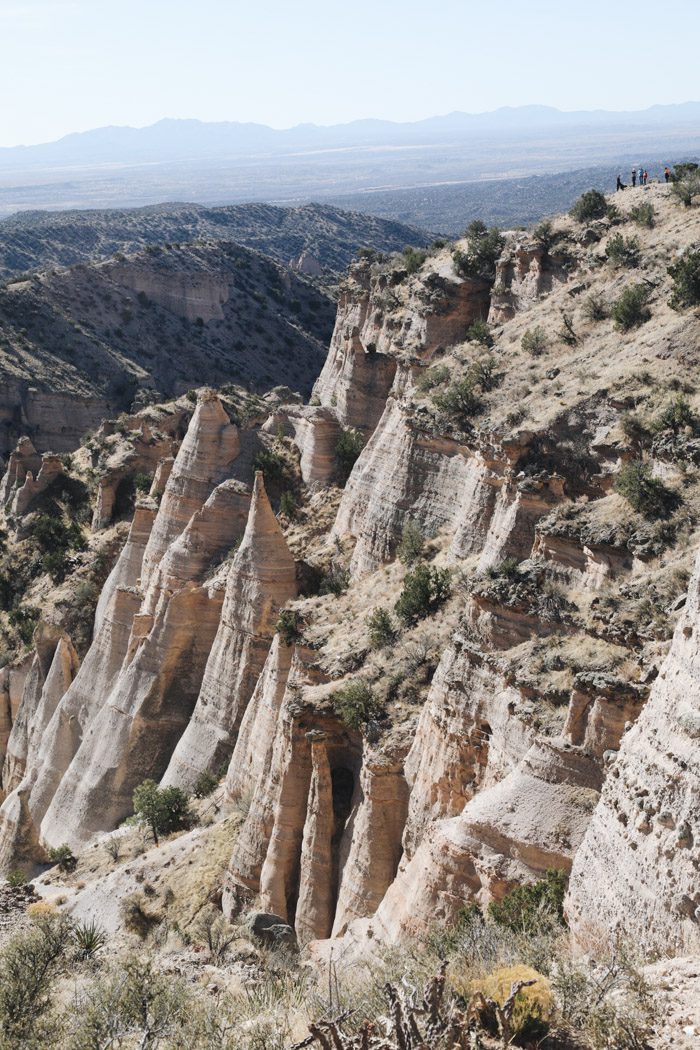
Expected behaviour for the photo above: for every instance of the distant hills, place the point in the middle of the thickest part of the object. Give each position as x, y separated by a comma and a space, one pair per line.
328, 235
228, 163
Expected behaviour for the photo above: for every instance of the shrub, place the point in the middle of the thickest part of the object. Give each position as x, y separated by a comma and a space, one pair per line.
271, 463
480, 332
63, 857
645, 494
424, 591
205, 783
347, 450
17, 880
567, 333
460, 403
623, 251
484, 249
410, 549
686, 280
676, 416
136, 919
634, 429
543, 234
590, 205
355, 704
630, 310
524, 909
432, 377
161, 809
595, 307
534, 341
381, 629
288, 504
29, 967
217, 933
335, 580
142, 482
534, 1004
288, 626
413, 259
643, 214
484, 375
113, 849
685, 182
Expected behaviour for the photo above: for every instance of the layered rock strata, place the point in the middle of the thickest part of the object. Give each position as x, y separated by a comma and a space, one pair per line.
262, 578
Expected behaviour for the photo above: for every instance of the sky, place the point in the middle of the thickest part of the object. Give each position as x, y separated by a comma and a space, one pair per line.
72, 65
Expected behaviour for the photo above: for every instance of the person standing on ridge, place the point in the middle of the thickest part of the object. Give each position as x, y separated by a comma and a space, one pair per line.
620, 183
646, 176
640, 176
634, 176
667, 173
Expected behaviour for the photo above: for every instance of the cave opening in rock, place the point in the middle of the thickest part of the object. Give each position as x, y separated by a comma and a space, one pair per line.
343, 782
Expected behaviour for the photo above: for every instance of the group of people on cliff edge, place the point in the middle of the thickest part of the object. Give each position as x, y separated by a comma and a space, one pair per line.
640, 176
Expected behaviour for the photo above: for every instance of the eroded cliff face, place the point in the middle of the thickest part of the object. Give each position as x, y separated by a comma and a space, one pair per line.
499, 730
640, 857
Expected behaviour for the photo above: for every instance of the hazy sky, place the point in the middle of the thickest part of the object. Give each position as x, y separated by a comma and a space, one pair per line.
70, 65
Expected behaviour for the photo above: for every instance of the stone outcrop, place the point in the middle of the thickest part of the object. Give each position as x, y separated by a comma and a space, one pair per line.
316, 432
378, 319
23, 460
23, 810
371, 848
29, 720
189, 295
24, 498
261, 579
203, 461
315, 904
640, 857
525, 273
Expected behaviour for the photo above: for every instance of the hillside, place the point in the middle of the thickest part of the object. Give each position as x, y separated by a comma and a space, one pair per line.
151, 325
420, 656
327, 237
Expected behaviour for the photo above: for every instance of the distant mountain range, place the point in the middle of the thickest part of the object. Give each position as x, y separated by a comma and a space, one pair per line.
230, 163
172, 140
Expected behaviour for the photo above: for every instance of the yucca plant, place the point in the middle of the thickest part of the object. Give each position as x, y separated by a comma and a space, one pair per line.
90, 938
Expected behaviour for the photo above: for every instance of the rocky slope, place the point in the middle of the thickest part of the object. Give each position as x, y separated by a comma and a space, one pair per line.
524, 515
148, 326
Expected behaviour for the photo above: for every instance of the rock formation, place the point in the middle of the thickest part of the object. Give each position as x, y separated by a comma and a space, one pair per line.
640, 857
262, 578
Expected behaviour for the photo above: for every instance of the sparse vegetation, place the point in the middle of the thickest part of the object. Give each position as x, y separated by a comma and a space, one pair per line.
413, 259
424, 591
335, 580
630, 310
205, 784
